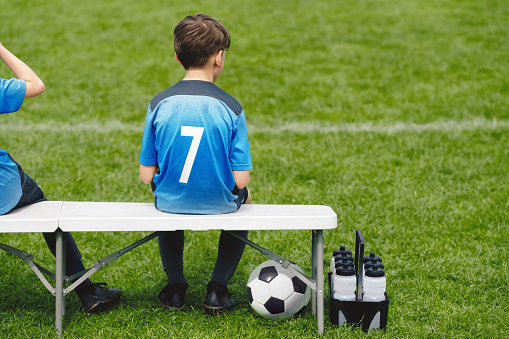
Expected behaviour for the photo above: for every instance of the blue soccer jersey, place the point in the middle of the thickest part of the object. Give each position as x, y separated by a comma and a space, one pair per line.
12, 93
197, 134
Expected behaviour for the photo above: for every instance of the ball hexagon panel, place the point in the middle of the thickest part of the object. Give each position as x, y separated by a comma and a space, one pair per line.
275, 305
249, 295
281, 287
295, 303
260, 309
267, 274
256, 272
260, 291
298, 285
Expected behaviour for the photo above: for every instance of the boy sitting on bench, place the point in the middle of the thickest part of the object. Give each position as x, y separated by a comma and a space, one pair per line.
195, 154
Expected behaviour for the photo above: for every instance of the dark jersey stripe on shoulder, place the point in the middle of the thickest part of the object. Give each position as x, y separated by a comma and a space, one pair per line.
198, 87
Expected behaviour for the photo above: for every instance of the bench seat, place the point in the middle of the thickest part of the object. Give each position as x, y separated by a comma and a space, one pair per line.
128, 216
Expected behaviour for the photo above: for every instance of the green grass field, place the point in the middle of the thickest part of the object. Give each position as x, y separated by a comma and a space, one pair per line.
394, 113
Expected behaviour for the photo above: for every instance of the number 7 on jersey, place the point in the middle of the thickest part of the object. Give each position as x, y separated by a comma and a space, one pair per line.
196, 133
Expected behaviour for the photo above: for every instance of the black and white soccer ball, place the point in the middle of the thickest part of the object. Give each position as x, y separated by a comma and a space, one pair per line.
275, 293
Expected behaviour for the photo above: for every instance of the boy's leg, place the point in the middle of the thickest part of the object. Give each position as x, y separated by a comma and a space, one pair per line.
229, 253
94, 296
72, 253
171, 248
230, 249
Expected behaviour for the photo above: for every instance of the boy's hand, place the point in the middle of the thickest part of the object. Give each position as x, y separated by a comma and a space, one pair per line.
241, 178
147, 173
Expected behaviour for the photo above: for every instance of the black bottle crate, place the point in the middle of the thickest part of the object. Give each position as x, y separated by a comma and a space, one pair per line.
366, 314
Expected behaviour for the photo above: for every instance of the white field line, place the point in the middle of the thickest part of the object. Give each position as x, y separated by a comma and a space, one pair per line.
88, 126
383, 128
291, 127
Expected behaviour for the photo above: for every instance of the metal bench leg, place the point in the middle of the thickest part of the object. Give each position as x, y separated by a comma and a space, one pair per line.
59, 281
317, 274
313, 270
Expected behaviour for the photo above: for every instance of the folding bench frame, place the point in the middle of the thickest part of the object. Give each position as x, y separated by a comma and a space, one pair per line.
316, 282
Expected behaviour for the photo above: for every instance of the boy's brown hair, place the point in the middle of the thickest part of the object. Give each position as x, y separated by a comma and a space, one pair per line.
197, 38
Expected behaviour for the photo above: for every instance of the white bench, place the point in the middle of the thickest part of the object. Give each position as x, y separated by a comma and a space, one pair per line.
61, 217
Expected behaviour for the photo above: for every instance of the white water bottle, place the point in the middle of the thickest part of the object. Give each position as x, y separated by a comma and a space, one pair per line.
374, 284
345, 283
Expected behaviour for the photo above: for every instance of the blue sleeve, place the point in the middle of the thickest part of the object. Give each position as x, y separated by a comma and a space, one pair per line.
240, 155
12, 93
148, 154
10, 183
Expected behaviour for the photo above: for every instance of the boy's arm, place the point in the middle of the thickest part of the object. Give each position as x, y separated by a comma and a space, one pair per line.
241, 178
147, 173
34, 85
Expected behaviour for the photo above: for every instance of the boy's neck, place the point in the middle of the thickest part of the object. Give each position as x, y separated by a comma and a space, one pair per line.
210, 72
203, 74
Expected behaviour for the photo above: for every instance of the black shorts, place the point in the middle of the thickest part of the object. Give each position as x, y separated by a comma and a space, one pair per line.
31, 192
242, 195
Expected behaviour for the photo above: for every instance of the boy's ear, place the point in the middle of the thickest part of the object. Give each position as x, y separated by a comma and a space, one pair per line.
218, 58
177, 58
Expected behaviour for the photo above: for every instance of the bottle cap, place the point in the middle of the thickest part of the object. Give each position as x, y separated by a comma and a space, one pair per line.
341, 251
377, 264
372, 257
345, 270
343, 261
375, 271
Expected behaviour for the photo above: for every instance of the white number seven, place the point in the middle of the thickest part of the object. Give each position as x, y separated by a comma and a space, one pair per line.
196, 133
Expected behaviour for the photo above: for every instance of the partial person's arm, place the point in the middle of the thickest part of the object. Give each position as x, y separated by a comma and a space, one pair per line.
241, 178
34, 85
147, 173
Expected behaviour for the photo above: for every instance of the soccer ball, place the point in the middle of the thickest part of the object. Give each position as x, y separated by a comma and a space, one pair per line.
275, 293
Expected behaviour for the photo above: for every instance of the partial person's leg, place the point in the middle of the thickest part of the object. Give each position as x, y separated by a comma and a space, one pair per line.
72, 253
171, 248
230, 249
94, 296
229, 253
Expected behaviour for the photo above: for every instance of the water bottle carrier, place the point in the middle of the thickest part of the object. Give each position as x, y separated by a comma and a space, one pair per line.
368, 315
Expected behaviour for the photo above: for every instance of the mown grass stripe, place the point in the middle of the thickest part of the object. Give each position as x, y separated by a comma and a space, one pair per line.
292, 127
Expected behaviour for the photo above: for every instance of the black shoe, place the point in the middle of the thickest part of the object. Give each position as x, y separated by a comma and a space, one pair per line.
173, 296
95, 297
218, 298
